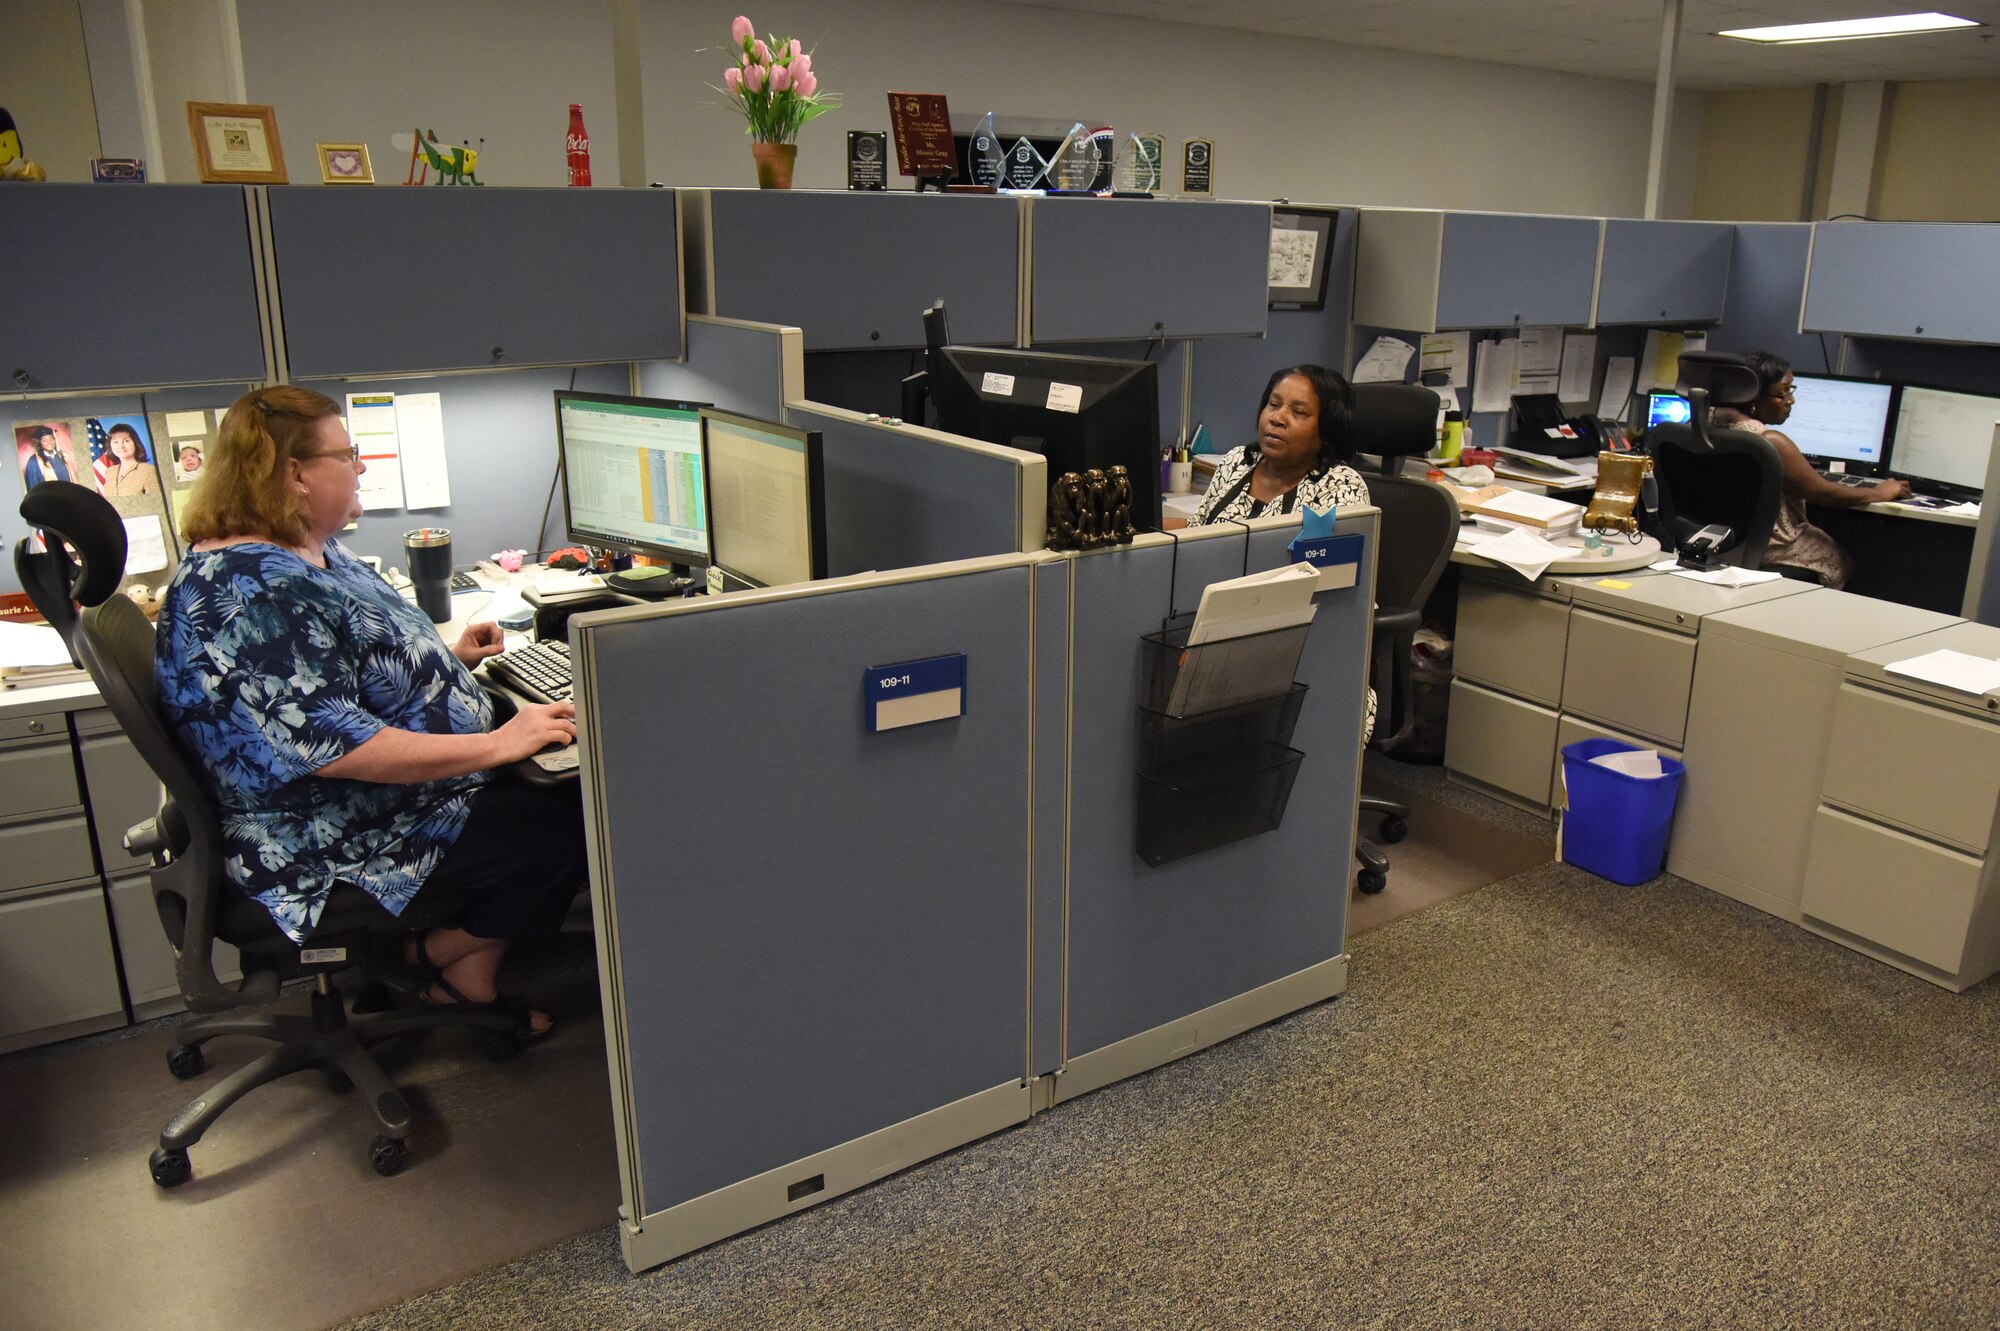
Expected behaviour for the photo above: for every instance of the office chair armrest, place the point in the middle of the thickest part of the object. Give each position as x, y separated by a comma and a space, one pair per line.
146, 838
1396, 620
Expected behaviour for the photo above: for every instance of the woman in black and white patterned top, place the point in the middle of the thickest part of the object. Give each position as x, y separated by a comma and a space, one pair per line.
1300, 455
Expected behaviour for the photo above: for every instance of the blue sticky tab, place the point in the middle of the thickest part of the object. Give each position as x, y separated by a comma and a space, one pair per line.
913, 692
1314, 525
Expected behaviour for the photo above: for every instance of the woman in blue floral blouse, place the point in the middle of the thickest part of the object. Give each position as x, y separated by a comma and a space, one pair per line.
346, 742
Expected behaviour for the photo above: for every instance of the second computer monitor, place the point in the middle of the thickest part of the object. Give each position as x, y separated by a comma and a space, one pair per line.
1943, 440
1838, 419
768, 494
633, 477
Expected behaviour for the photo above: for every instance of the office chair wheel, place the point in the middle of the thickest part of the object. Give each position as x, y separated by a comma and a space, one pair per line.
1393, 829
1370, 882
170, 1168
185, 1061
389, 1155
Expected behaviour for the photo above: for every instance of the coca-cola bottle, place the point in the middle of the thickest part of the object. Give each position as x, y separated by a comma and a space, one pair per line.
579, 147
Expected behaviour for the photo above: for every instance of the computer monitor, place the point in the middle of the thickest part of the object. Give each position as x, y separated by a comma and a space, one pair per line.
1078, 412
1942, 440
633, 475
1836, 418
767, 500
1667, 409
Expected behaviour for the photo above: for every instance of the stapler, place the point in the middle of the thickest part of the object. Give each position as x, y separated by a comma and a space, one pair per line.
1703, 550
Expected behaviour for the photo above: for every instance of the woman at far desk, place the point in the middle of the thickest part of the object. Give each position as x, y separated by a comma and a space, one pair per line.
344, 740
1299, 456
1795, 542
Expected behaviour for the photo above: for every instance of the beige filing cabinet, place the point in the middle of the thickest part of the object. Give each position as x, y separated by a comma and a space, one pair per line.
1901, 861
1632, 649
1765, 684
1507, 680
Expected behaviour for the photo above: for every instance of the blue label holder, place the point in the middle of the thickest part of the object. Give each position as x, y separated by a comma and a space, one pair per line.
1338, 558
911, 693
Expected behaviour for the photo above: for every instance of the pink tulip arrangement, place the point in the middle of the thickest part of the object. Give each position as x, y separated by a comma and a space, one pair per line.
773, 84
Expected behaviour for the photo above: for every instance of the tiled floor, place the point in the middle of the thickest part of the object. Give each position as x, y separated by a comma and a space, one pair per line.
284, 1224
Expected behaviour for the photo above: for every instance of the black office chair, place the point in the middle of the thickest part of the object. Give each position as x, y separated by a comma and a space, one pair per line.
116, 644
1419, 528
51, 577
1709, 474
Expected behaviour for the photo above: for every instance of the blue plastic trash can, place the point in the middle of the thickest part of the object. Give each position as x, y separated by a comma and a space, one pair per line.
1616, 825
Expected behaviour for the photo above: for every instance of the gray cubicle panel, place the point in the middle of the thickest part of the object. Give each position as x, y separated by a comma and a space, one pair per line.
1161, 961
814, 939
1663, 272
1107, 270
1424, 271
115, 287
500, 448
1929, 280
749, 368
856, 271
1767, 284
898, 496
1229, 372
385, 281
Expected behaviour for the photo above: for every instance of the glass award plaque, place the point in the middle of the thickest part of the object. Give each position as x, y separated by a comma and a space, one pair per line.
1025, 166
1138, 165
984, 161
1077, 161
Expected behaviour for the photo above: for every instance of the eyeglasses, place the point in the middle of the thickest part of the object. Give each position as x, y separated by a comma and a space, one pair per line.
1785, 393
350, 455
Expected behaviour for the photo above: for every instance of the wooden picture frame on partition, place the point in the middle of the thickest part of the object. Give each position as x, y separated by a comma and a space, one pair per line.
345, 164
236, 144
1301, 242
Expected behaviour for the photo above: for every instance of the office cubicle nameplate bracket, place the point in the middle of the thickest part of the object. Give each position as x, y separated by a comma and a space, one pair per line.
1338, 559
914, 692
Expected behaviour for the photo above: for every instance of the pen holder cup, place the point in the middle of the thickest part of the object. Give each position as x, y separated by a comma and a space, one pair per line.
428, 550
1180, 477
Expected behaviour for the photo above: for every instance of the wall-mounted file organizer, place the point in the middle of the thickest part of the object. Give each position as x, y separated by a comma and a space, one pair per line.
1215, 758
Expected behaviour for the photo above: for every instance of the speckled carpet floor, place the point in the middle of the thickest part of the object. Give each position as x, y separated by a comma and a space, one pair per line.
1551, 1103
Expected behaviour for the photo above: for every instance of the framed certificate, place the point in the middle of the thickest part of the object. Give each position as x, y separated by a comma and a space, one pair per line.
1301, 240
236, 145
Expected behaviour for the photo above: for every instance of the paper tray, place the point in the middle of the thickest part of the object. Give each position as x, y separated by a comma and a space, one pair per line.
1203, 803
1183, 681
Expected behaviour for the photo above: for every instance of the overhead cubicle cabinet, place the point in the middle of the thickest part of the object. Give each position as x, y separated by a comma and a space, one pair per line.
856, 271
1422, 270
387, 281
1903, 279
116, 288
1656, 272
1108, 270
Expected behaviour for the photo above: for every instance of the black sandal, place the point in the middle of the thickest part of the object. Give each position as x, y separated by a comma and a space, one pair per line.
511, 1005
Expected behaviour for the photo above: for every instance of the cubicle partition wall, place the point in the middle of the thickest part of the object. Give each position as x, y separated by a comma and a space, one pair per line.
1161, 961
898, 496
1107, 270
814, 938
752, 369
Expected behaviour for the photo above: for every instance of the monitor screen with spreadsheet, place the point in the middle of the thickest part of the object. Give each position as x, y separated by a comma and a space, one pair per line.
768, 502
634, 475
1837, 419
1943, 439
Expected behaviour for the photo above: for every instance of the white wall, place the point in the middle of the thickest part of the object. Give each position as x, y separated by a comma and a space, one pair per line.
1301, 120
45, 85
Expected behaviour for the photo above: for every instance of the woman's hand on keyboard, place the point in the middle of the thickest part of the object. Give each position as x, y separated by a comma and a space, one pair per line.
533, 727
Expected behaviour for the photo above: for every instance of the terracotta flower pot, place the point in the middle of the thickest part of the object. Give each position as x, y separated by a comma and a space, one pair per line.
774, 164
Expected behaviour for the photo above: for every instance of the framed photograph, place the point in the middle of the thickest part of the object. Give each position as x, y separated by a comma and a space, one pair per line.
236, 145
117, 171
345, 164
1301, 244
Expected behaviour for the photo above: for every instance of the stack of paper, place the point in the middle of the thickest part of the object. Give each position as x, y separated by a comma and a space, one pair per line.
1257, 603
1527, 554
1954, 670
1213, 671
1506, 510
34, 654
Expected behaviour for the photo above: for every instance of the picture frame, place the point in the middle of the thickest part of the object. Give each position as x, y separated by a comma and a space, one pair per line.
236, 144
345, 164
1301, 244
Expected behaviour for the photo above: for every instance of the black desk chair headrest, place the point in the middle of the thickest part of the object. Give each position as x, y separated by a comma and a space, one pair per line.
1726, 377
55, 583
1394, 421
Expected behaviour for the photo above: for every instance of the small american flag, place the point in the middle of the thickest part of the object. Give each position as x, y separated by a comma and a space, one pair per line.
101, 461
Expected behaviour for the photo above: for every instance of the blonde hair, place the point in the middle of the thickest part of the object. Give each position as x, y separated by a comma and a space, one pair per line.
244, 488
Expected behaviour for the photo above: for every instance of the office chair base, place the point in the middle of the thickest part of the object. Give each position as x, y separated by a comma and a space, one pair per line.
1374, 875
1395, 817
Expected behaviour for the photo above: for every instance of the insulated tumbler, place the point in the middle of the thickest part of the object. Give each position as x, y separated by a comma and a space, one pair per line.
429, 551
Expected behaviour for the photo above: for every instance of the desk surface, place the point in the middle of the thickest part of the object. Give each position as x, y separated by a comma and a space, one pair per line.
1894, 510
1623, 558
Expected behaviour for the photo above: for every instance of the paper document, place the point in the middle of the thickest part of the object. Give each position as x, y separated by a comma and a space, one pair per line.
1385, 362
371, 420
1527, 554
145, 544
564, 582
1543, 463
1616, 399
1727, 577
1258, 603
420, 432
1579, 366
1954, 670
1493, 375
1536, 510
1644, 763
31, 647
1446, 354
1540, 364
1660, 361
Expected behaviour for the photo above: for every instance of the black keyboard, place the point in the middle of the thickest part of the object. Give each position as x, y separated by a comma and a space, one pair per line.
1849, 478
540, 670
